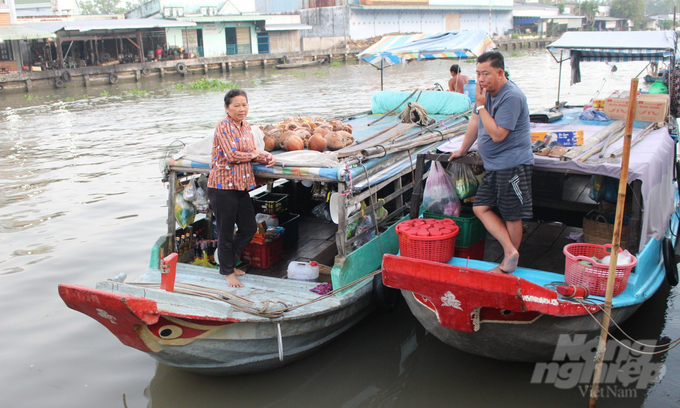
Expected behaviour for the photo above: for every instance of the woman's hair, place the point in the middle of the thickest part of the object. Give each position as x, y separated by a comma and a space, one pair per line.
232, 94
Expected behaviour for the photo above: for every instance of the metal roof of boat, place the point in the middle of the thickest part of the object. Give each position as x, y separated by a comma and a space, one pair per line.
106, 25
19, 32
452, 44
617, 46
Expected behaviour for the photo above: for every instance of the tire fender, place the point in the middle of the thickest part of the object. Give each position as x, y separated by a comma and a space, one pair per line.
669, 262
66, 76
59, 83
145, 71
386, 298
181, 68
113, 78
2, 87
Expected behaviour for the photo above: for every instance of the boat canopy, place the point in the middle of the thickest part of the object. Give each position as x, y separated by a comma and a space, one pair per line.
393, 49
616, 46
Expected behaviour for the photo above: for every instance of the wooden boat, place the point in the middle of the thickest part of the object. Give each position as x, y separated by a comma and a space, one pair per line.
521, 316
186, 316
298, 64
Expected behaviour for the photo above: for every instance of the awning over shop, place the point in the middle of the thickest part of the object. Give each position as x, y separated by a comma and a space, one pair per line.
452, 44
286, 27
107, 25
617, 46
20, 32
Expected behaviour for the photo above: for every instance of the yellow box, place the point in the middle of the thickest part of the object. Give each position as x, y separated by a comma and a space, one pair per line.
567, 138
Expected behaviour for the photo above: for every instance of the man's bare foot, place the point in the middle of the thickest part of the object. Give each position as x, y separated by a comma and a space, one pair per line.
239, 272
499, 270
233, 281
509, 263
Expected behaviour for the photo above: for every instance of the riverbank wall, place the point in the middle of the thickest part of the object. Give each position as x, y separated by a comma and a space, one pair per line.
110, 74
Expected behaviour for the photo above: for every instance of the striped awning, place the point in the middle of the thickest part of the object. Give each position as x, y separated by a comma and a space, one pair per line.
454, 44
617, 46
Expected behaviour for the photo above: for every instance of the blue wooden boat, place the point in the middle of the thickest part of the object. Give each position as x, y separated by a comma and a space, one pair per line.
520, 317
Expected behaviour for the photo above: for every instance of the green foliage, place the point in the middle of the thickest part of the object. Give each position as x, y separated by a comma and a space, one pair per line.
107, 6
69, 99
514, 36
28, 97
321, 72
560, 7
588, 9
299, 74
137, 92
655, 7
104, 93
629, 9
335, 64
208, 85
666, 24
86, 97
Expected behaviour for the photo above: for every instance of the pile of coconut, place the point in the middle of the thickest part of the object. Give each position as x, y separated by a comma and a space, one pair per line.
307, 133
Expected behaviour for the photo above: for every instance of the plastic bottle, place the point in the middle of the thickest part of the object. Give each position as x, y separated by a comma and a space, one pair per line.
307, 271
272, 221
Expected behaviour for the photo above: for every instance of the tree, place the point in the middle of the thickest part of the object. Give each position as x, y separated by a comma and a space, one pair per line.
107, 6
633, 10
655, 7
588, 9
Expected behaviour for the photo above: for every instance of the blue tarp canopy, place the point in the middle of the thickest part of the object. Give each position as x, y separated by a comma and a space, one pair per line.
452, 44
617, 46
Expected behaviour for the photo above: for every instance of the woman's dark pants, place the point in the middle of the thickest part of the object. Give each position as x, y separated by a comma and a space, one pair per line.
232, 207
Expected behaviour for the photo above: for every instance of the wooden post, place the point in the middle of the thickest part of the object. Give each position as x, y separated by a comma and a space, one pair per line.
60, 54
223, 66
616, 239
86, 80
245, 65
29, 85
205, 69
140, 48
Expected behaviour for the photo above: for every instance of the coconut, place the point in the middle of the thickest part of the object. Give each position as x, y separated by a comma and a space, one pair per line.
306, 126
303, 133
322, 130
294, 143
269, 143
347, 138
317, 142
334, 141
268, 128
347, 128
281, 141
291, 126
337, 125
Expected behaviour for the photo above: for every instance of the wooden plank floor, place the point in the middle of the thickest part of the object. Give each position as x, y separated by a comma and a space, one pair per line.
541, 248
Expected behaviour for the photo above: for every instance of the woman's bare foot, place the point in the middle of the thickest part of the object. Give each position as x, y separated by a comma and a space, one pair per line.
239, 272
233, 281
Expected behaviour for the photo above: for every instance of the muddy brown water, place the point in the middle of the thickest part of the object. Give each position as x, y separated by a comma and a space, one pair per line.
81, 200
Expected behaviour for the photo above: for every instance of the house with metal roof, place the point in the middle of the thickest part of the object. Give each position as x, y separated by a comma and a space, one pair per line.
224, 27
543, 19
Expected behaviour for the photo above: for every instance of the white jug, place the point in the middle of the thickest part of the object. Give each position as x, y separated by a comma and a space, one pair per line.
307, 271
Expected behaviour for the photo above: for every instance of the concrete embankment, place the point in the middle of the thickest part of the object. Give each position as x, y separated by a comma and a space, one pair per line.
97, 75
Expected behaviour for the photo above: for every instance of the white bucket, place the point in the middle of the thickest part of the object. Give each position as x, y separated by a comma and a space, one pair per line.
307, 271
351, 207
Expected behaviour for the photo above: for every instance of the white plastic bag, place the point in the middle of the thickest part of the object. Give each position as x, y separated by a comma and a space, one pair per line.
440, 196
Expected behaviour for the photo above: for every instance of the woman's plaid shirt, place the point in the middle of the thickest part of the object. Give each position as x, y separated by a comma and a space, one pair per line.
230, 168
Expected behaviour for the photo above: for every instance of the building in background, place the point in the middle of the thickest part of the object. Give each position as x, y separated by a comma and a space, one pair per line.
44, 8
336, 22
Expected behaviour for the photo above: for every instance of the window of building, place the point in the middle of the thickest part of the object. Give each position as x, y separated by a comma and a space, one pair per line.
6, 51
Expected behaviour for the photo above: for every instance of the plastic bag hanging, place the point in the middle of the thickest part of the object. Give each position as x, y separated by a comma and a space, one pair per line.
184, 211
464, 180
440, 196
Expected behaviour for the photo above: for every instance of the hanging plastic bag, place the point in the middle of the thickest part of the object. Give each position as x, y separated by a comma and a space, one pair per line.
323, 210
603, 188
189, 192
200, 197
464, 180
440, 196
185, 212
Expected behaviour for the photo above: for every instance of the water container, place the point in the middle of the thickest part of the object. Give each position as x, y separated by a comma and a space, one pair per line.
469, 89
272, 221
307, 271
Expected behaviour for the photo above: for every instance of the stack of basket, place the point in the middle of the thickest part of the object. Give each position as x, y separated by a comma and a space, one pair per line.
427, 238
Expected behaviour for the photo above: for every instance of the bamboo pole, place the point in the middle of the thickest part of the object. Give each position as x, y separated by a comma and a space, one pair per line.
616, 239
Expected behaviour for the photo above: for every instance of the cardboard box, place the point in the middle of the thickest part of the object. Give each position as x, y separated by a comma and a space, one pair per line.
650, 108
567, 138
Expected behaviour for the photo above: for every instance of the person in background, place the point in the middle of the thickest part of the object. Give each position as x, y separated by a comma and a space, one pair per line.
500, 125
231, 177
458, 80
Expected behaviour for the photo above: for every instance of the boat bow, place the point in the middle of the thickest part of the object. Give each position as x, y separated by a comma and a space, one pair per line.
462, 298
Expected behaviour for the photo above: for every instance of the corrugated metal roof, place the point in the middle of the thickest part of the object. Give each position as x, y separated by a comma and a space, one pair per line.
286, 27
19, 32
108, 25
223, 19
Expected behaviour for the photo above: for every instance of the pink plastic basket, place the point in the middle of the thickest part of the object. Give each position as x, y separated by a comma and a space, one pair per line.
594, 276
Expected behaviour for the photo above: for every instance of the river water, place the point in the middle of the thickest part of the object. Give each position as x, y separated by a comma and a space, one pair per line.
81, 200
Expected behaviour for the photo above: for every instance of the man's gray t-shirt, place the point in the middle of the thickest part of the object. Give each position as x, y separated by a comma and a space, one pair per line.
510, 110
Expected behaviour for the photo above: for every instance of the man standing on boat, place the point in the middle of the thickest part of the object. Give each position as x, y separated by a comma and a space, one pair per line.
458, 80
500, 125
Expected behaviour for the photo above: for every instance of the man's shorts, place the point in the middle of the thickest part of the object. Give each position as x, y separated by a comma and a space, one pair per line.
509, 191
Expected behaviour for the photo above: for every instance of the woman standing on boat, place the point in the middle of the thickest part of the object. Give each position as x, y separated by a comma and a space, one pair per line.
231, 177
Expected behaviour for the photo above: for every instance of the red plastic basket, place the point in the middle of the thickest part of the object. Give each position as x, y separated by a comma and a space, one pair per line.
428, 238
594, 276
263, 256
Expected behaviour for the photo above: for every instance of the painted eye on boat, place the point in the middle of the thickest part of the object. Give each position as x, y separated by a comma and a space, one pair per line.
169, 332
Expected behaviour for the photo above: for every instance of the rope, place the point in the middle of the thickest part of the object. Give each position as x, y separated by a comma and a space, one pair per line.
246, 305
